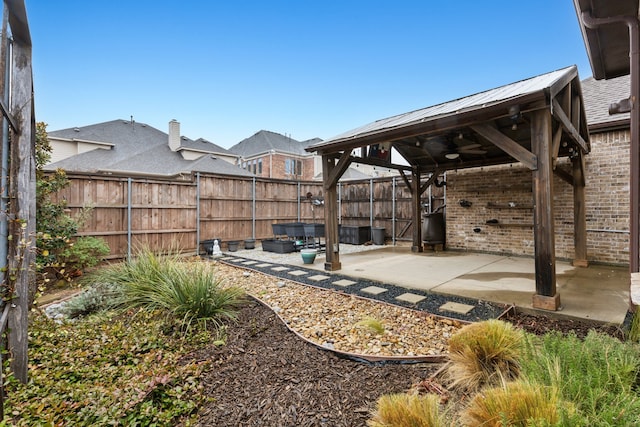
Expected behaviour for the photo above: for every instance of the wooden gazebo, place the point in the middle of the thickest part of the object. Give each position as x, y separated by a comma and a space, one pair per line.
534, 122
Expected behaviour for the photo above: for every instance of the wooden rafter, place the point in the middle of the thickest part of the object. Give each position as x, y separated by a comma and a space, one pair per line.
562, 117
507, 145
338, 170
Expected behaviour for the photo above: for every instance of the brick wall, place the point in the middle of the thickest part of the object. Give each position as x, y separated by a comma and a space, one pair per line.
274, 166
505, 194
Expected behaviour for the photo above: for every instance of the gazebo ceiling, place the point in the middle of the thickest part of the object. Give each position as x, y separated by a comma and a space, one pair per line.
487, 128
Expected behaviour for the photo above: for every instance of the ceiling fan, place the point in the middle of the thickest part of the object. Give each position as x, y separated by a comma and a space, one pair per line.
455, 149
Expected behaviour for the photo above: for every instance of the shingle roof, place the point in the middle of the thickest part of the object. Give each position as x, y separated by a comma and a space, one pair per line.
265, 141
598, 95
139, 148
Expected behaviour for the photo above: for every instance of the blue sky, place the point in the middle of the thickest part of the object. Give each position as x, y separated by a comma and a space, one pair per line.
228, 69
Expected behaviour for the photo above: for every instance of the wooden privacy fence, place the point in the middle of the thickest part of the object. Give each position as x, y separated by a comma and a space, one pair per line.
181, 212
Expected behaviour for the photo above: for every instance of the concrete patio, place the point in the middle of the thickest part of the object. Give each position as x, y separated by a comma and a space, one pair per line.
599, 292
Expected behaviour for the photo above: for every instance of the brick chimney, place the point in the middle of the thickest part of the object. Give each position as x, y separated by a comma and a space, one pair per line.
174, 135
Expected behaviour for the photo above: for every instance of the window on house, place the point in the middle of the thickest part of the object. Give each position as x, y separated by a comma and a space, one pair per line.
293, 167
259, 166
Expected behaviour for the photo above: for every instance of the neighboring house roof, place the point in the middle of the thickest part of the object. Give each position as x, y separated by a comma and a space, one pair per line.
265, 141
598, 95
139, 148
351, 174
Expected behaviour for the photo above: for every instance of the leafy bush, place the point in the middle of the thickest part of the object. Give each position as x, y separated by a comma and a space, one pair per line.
484, 353
599, 375
407, 410
107, 370
95, 298
59, 256
515, 404
186, 290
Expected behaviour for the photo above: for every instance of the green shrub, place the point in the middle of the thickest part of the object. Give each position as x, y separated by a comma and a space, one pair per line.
187, 290
598, 375
107, 370
484, 353
514, 404
59, 255
634, 329
95, 298
411, 410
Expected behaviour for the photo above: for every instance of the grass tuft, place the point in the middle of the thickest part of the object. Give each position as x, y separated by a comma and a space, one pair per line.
396, 410
514, 404
373, 324
598, 374
189, 291
484, 353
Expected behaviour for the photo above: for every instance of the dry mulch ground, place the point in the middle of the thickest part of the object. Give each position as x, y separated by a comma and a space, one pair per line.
266, 375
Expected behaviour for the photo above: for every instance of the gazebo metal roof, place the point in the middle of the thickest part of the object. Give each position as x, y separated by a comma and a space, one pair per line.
466, 126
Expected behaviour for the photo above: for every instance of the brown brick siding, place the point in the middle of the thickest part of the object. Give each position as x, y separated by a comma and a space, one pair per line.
273, 166
491, 190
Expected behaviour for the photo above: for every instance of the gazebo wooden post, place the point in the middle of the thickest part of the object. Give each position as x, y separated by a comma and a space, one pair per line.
545, 259
417, 210
332, 238
579, 213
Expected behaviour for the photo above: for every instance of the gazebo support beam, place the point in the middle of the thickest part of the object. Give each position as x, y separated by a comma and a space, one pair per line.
417, 210
546, 296
332, 238
579, 213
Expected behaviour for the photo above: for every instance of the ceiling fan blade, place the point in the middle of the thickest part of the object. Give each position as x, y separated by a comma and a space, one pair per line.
472, 151
470, 146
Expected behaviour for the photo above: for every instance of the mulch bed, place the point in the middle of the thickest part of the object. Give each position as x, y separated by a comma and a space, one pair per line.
267, 376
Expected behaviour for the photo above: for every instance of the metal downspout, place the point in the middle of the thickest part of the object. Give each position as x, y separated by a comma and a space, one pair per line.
634, 68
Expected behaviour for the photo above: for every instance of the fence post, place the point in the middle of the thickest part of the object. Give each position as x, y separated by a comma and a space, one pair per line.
339, 203
370, 202
129, 186
299, 204
197, 213
393, 210
253, 210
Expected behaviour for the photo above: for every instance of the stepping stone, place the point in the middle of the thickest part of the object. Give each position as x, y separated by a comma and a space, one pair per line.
319, 277
344, 282
264, 264
234, 259
280, 268
249, 262
226, 258
409, 297
373, 290
456, 307
298, 273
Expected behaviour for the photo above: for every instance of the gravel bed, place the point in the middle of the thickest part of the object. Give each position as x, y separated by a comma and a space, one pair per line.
340, 318
482, 310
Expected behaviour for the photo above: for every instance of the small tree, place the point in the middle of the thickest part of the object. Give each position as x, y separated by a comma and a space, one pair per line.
60, 255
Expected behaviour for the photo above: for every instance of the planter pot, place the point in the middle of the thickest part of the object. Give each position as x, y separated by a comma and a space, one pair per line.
308, 255
233, 245
278, 246
249, 244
